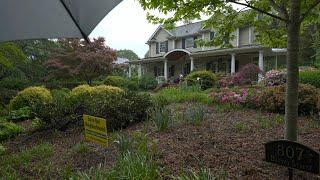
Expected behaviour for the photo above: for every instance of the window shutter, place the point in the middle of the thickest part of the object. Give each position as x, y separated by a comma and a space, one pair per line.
157, 48
211, 35
183, 43
167, 48
195, 41
155, 71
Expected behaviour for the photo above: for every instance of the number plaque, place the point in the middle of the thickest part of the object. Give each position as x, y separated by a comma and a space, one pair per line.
293, 155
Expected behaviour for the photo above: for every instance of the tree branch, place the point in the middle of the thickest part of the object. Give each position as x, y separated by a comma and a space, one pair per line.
304, 15
259, 10
280, 9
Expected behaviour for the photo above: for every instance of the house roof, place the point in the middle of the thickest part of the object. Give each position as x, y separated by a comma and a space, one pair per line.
187, 29
181, 31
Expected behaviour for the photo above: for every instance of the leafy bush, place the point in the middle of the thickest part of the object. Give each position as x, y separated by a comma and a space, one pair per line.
161, 117
148, 82
32, 97
6, 95
9, 130
116, 81
275, 78
20, 114
58, 113
310, 77
206, 79
133, 84
120, 108
273, 99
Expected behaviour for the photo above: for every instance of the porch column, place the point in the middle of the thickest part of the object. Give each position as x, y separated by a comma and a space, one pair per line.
165, 69
139, 70
191, 64
233, 63
261, 64
129, 71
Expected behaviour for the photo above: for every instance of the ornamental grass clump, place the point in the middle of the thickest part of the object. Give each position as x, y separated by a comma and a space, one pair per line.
161, 118
195, 113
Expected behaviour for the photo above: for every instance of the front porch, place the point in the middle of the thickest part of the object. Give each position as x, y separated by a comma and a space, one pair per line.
180, 62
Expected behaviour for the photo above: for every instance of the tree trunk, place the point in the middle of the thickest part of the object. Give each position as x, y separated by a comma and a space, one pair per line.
291, 106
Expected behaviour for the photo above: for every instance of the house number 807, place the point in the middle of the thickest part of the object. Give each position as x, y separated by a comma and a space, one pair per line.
289, 152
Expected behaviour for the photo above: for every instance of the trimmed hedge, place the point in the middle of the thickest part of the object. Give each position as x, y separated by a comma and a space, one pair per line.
310, 77
32, 97
206, 79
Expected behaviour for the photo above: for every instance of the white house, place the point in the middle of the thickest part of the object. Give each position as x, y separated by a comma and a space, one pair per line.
175, 52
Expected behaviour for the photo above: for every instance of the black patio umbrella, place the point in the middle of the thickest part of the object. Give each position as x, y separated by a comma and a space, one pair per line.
35, 19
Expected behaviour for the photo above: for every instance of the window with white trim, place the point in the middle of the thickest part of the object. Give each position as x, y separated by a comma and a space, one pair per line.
189, 42
163, 47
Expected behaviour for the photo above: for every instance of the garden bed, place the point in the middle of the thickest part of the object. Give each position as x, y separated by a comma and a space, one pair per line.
228, 143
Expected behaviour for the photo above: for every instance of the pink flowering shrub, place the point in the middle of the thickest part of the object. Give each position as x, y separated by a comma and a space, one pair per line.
231, 96
275, 78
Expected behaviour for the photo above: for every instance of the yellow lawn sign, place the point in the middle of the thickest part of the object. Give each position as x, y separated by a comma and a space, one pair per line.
95, 130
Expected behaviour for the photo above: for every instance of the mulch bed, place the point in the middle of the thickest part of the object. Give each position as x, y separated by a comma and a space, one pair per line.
216, 144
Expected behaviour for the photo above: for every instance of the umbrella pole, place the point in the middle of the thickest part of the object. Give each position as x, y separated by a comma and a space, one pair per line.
85, 37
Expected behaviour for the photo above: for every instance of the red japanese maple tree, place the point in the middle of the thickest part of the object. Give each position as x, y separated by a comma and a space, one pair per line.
76, 58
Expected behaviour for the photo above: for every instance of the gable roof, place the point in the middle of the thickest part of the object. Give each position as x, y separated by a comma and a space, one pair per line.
182, 31
187, 29
157, 30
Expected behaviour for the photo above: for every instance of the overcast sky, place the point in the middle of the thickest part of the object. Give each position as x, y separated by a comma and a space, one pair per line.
126, 27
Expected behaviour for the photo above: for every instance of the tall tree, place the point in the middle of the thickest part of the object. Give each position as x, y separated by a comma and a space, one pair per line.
128, 54
78, 58
277, 22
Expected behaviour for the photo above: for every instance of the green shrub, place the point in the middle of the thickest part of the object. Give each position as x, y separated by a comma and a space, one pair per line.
206, 79
20, 114
132, 84
148, 82
120, 108
14, 83
310, 77
32, 97
273, 99
57, 113
6, 95
116, 81
9, 130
